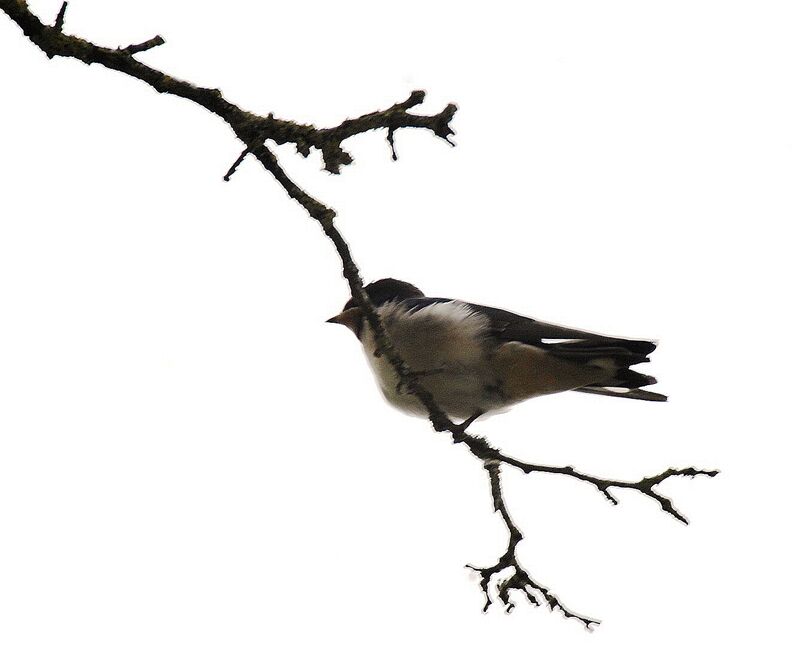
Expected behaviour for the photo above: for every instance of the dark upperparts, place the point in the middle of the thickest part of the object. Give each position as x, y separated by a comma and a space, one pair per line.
386, 290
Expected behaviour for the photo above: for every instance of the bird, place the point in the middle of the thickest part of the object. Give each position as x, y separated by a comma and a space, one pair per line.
477, 360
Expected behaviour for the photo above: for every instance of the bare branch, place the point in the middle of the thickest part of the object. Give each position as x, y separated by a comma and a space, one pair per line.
249, 127
534, 592
393, 118
483, 450
253, 130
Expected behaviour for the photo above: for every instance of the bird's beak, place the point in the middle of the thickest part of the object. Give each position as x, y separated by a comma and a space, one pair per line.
350, 318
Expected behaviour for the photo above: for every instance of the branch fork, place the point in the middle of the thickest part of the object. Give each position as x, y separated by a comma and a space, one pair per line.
535, 593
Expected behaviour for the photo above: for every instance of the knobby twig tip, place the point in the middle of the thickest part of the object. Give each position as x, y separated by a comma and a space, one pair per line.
390, 139
158, 40
59, 24
227, 176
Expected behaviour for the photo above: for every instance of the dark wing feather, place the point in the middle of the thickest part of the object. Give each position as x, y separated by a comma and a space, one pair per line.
576, 344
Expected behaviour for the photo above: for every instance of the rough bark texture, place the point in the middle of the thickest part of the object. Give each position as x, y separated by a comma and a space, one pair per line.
254, 130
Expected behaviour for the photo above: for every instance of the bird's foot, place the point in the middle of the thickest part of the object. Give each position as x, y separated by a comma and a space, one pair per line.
461, 429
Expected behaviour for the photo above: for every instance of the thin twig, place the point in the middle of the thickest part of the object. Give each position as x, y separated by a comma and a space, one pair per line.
390, 140
483, 450
59, 24
144, 46
227, 176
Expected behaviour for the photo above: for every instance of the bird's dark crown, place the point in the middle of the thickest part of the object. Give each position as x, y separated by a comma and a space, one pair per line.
386, 290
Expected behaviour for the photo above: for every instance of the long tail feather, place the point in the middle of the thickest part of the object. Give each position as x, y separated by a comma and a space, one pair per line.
637, 394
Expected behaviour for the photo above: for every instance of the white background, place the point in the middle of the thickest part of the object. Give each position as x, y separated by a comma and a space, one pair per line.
194, 468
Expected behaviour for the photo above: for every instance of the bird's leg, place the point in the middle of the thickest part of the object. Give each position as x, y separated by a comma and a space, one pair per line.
462, 427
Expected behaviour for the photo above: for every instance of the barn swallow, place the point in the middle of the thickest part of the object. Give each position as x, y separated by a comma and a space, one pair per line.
477, 360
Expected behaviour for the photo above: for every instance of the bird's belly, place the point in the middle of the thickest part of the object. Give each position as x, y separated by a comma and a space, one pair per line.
481, 382
461, 391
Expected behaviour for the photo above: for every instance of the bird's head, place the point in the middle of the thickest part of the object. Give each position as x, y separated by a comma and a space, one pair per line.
379, 292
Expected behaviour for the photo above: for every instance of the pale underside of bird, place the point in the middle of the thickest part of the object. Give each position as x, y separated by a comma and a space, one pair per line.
477, 360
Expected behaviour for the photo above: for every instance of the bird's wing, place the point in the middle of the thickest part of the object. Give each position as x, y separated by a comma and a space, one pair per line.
574, 346
507, 326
